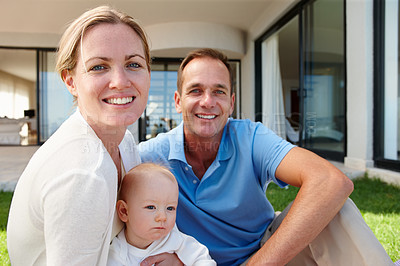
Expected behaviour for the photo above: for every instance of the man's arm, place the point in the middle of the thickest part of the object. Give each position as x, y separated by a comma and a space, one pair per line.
323, 191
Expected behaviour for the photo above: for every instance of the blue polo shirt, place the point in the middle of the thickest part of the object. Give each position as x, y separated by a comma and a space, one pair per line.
227, 209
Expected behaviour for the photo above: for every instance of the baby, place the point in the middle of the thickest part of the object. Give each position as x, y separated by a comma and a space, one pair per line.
147, 206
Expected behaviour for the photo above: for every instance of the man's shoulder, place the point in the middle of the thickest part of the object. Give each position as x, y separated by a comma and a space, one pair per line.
243, 125
159, 145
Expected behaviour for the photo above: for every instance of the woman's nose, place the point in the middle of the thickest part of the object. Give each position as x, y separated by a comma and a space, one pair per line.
119, 79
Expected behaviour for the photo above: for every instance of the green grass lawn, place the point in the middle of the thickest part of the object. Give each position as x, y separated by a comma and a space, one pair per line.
378, 202
5, 199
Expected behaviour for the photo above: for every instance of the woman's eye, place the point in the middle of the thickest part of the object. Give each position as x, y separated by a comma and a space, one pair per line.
134, 65
150, 207
97, 68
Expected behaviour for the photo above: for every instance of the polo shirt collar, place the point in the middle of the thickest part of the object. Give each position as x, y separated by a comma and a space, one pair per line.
177, 151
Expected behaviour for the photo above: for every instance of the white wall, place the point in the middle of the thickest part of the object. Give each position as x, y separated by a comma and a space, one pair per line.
175, 39
359, 45
25, 39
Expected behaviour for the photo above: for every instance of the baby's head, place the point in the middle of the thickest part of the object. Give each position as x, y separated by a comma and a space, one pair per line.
147, 204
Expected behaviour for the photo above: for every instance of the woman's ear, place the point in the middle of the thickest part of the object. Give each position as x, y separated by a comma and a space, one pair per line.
122, 210
69, 81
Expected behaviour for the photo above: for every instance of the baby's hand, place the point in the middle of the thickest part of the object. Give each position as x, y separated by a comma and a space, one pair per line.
163, 259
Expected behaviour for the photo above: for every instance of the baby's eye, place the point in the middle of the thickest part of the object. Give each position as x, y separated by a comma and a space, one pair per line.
150, 207
171, 208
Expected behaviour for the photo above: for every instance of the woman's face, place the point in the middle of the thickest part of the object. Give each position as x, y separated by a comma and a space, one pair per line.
111, 80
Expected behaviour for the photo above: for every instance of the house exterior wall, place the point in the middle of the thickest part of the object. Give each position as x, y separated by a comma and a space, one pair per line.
359, 45
175, 39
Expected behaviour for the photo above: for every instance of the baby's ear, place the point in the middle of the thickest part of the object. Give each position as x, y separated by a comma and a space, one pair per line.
122, 210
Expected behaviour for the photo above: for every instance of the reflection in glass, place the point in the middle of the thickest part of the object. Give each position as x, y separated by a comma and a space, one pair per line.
56, 103
324, 77
161, 115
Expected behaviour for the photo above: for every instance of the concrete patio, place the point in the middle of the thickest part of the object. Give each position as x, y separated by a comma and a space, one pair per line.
13, 160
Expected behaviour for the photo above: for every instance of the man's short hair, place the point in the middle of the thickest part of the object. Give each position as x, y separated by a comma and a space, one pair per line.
200, 53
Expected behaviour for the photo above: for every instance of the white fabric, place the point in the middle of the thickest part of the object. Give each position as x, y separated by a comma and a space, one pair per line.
346, 240
14, 95
188, 249
64, 202
272, 95
292, 135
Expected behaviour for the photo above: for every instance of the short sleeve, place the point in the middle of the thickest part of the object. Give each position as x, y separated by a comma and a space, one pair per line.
268, 151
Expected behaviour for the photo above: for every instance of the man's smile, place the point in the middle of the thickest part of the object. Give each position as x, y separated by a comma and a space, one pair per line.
206, 116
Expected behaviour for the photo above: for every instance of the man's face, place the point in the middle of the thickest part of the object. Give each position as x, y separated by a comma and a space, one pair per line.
205, 101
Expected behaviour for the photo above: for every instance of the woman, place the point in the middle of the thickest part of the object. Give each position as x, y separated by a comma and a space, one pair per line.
63, 206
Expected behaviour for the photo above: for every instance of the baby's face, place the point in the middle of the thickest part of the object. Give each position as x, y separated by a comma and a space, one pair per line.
151, 209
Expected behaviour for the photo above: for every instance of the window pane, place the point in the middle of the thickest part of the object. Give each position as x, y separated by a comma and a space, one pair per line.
324, 79
391, 105
161, 115
56, 103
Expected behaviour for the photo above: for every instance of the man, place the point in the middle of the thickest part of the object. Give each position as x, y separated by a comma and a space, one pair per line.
223, 167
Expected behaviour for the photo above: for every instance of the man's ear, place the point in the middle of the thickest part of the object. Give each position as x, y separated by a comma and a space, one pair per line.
232, 103
69, 82
122, 210
177, 98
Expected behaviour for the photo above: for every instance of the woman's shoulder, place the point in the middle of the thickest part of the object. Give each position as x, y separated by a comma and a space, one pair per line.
67, 149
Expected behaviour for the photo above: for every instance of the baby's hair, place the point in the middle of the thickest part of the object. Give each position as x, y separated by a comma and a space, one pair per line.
141, 170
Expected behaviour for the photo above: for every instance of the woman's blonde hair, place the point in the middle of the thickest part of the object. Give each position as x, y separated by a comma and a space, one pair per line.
72, 37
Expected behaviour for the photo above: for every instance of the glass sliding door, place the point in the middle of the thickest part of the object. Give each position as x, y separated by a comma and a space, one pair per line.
280, 81
387, 85
307, 69
323, 90
55, 101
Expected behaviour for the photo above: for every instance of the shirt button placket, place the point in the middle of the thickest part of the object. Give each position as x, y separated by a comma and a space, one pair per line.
195, 181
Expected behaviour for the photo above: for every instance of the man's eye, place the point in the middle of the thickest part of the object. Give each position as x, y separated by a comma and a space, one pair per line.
219, 92
150, 207
195, 91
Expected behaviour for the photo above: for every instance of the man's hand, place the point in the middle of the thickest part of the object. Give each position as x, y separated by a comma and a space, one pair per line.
163, 259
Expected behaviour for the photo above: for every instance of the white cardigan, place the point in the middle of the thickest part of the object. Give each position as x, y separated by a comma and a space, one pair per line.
63, 206
188, 249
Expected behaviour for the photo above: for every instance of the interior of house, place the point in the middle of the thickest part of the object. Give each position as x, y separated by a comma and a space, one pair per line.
18, 124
